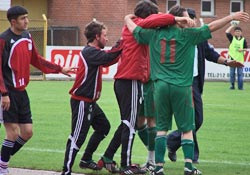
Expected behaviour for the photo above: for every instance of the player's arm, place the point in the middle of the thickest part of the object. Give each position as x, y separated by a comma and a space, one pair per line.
212, 55
217, 24
141, 35
98, 57
116, 48
5, 100
157, 20
48, 67
130, 23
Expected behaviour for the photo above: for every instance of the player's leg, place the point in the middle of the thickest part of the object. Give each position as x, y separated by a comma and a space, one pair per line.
146, 123
25, 123
12, 130
184, 116
198, 108
26, 133
128, 94
163, 113
101, 128
149, 112
18, 126
232, 77
173, 144
80, 123
107, 159
240, 78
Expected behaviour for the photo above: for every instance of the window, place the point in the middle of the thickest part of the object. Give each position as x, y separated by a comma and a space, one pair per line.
236, 5
207, 7
171, 3
5, 5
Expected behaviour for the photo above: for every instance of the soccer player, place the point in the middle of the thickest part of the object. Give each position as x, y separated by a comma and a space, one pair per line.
172, 55
127, 87
84, 94
17, 52
203, 51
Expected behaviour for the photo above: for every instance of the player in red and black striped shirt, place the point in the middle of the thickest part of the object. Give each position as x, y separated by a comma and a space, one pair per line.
17, 52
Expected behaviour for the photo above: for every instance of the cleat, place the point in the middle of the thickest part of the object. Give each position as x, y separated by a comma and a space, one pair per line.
111, 167
132, 170
148, 167
191, 172
89, 164
159, 172
4, 171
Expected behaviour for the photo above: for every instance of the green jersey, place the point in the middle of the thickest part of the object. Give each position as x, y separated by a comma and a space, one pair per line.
172, 51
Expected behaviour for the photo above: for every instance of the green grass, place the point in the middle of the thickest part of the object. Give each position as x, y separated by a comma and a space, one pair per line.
224, 136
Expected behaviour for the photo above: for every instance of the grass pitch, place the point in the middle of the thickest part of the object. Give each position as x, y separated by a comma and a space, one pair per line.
223, 139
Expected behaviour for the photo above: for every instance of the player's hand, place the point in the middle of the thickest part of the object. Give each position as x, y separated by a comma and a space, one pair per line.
129, 16
241, 50
185, 21
234, 63
5, 103
68, 70
240, 16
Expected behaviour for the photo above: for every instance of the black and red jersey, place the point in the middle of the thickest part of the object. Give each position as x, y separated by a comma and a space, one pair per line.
17, 52
88, 82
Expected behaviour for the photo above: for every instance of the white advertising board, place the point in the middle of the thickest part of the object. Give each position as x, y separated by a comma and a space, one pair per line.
221, 72
69, 56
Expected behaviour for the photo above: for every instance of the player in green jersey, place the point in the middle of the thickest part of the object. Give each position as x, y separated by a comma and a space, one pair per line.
172, 57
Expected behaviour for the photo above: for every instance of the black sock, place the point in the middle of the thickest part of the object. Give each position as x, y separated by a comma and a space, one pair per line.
18, 145
7, 149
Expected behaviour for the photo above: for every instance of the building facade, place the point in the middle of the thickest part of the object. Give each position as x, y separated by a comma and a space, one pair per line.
67, 19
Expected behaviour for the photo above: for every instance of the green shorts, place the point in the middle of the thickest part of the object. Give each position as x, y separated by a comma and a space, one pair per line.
147, 108
173, 100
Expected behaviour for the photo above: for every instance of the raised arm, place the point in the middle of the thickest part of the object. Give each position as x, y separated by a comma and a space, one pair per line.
229, 29
129, 22
239, 16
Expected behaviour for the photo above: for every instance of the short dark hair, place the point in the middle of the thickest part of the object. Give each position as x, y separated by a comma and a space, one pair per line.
154, 1
177, 10
237, 28
15, 11
92, 29
144, 8
191, 13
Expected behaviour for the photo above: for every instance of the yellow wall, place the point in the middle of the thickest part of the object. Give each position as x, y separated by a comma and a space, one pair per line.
35, 8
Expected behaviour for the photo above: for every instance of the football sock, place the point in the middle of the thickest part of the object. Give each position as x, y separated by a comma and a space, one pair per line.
7, 149
107, 160
151, 138
188, 151
143, 134
160, 149
18, 145
151, 157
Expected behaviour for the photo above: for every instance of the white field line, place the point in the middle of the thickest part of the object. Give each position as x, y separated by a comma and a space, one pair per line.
138, 157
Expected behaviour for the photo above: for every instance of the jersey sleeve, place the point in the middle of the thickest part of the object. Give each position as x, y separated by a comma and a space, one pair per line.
157, 20
143, 36
45, 66
210, 53
198, 35
99, 57
3, 89
229, 37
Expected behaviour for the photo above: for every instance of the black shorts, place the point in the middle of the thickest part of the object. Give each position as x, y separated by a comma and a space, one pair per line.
19, 111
